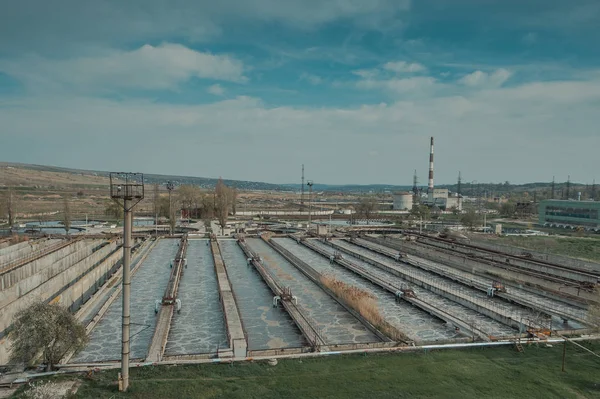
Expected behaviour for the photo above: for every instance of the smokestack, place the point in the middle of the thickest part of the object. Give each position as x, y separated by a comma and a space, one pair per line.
430, 187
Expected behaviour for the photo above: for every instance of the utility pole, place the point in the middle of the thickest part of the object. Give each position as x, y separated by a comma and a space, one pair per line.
302, 187
458, 191
170, 187
309, 183
127, 190
568, 187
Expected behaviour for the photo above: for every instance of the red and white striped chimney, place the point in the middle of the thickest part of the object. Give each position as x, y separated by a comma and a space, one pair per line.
430, 187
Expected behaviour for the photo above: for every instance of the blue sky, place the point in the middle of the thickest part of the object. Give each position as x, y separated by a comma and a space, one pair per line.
353, 89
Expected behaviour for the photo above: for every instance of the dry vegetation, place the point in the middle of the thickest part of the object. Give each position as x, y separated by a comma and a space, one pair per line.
365, 304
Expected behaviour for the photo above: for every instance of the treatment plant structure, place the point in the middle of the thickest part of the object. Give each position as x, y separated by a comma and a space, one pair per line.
200, 297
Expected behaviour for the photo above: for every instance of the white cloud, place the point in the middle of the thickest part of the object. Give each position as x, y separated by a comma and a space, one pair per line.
396, 85
484, 79
474, 132
148, 67
312, 79
366, 73
217, 90
403, 67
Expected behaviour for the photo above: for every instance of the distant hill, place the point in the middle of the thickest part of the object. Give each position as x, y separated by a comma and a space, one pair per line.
208, 182
543, 189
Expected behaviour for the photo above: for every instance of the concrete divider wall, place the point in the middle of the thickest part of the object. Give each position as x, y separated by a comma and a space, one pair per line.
527, 264
233, 321
10, 278
9, 249
23, 249
53, 286
524, 281
25, 285
552, 258
70, 278
87, 284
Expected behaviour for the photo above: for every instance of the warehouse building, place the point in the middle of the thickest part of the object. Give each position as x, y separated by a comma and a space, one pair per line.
570, 214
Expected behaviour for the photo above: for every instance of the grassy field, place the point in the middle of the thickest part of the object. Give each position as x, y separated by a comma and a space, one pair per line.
584, 247
499, 372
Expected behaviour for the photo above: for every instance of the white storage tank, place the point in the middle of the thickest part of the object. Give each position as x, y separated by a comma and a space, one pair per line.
403, 201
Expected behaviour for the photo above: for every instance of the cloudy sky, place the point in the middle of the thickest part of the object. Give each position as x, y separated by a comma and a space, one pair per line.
251, 89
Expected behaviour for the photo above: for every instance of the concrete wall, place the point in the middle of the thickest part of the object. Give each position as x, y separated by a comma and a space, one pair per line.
12, 277
25, 285
522, 263
22, 249
12, 248
71, 286
525, 282
87, 284
556, 259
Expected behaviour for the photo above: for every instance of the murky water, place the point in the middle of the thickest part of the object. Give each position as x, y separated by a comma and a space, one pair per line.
335, 323
200, 327
148, 285
136, 257
267, 327
480, 321
417, 324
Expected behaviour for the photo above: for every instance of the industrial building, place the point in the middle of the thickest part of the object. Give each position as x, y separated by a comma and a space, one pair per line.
570, 214
403, 201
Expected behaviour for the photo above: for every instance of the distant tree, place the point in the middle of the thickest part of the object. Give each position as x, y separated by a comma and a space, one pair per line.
80, 194
234, 194
470, 218
46, 329
222, 201
207, 207
421, 212
66, 217
367, 207
155, 199
189, 196
9, 206
508, 209
163, 207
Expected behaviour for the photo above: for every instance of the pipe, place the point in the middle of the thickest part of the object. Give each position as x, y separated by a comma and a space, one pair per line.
113, 365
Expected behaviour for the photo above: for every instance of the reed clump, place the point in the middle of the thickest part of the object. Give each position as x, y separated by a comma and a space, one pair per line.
364, 303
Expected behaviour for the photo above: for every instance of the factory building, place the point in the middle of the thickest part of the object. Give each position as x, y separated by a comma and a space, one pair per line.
403, 201
570, 214
443, 199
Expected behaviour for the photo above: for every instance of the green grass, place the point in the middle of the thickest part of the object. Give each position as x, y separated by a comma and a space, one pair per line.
585, 248
499, 372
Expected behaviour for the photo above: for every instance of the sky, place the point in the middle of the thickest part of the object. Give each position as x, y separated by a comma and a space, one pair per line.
353, 89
